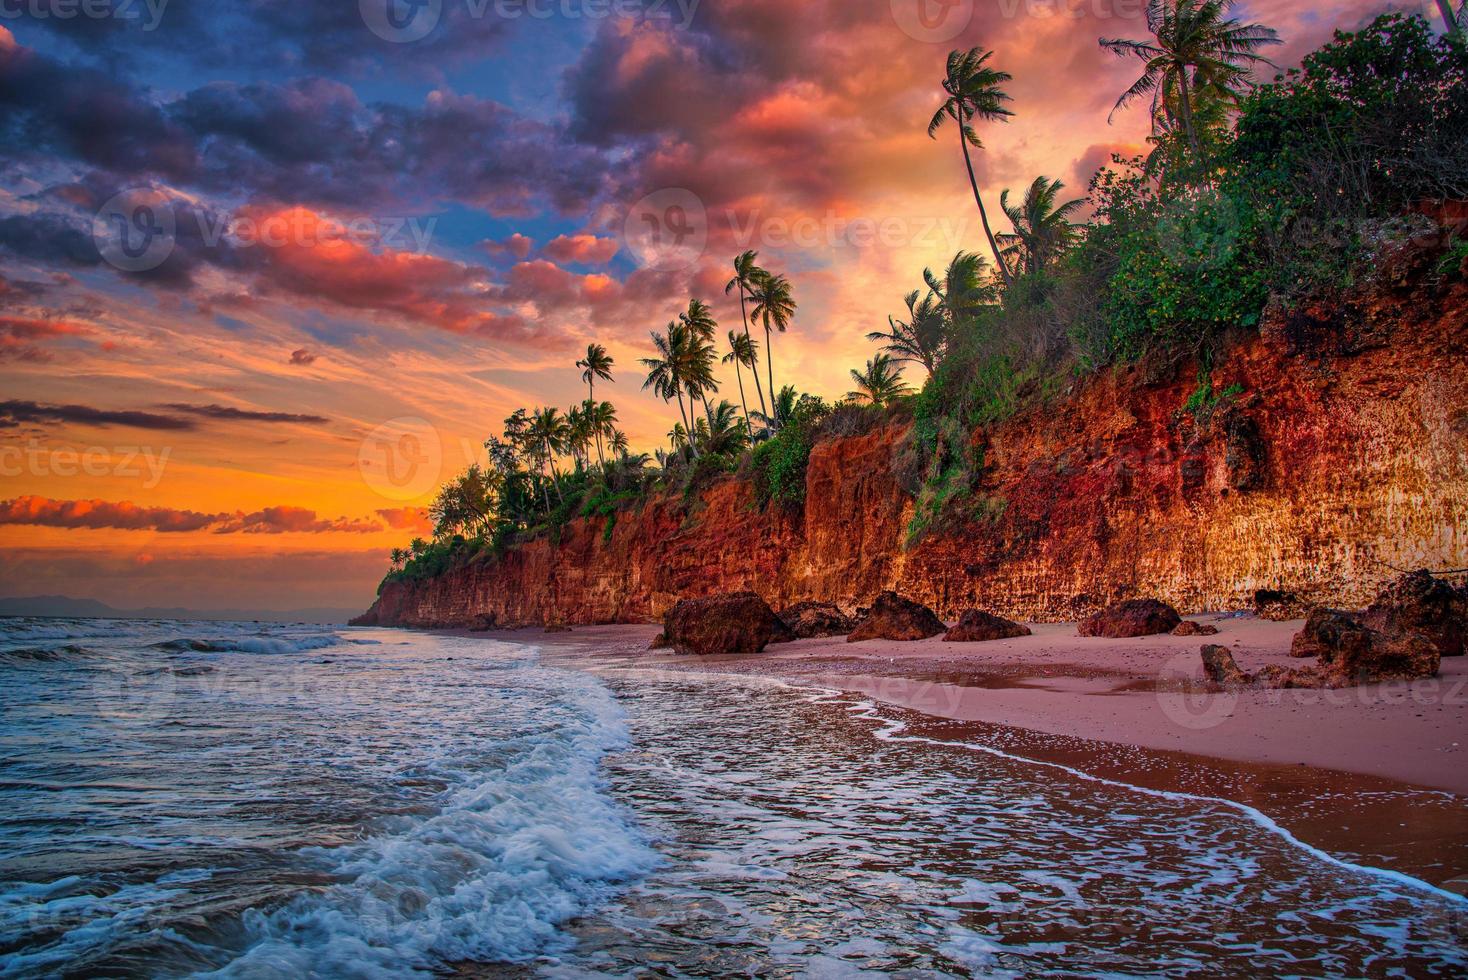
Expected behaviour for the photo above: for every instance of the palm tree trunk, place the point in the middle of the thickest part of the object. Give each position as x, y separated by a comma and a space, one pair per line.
590, 400
1185, 103
755, 371
687, 431
770, 370
1450, 20
739, 376
978, 198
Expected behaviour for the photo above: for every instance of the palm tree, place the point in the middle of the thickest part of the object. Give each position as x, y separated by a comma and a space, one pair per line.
721, 435
596, 364
547, 434
974, 92
921, 338
782, 408
773, 307
742, 353
1196, 47
602, 417
665, 372
579, 435
1453, 23
1042, 230
880, 384
962, 291
745, 274
699, 320
398, 556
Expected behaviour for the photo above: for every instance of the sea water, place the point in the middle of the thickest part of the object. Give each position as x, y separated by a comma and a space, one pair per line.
258, 800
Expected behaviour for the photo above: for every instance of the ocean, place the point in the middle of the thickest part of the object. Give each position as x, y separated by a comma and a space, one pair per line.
249, 800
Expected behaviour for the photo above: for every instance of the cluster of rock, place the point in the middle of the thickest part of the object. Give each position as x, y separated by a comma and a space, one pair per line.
1412, 624
742, 622
1415, 622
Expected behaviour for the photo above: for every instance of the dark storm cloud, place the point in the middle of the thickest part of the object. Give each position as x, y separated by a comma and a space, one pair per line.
226, 413
13, 413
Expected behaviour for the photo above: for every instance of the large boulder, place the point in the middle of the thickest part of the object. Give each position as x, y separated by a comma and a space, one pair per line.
1134, 617
1353, 652
1278, 605
1430, 607
738, 622
894, 618
975, 625
810, 619
1219, 665
1190, 628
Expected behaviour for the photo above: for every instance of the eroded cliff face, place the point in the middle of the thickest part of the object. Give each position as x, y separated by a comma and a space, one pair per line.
1343, 455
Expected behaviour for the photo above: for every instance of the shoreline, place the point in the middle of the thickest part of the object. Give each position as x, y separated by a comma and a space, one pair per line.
1373, 774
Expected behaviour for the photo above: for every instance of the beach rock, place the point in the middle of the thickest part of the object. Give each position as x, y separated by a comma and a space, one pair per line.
894, 618
1275, 677
659, 642
975, 626
1427, 606
1355, 653
1276, 605
483, 623
1189, 628
809, 619
1219, 665
782, 633
1134, 617
737, 622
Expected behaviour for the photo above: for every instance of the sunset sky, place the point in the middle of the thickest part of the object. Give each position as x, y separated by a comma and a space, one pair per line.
382, 246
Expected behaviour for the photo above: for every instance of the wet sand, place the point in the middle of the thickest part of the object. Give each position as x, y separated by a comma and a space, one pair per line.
1377, 773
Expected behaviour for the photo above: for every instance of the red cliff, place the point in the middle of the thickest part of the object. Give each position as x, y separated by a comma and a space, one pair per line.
1343, 455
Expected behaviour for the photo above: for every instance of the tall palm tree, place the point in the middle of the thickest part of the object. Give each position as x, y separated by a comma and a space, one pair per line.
578, 432
548, 431
1195, 46
742, 353
880, 384
596, 364
602, 417
745, 274
973, 92
665, 372
1453, 23
721, 434
921, 338
1042, 229
699, 319
773, 307
963, 289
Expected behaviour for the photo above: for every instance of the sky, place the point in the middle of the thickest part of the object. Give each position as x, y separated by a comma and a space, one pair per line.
271, 269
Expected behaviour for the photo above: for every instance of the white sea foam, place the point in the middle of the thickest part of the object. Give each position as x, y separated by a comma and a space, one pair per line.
490, 877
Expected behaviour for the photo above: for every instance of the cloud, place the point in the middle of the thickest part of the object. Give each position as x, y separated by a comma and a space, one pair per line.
13, 413
19, 335
128, 516
301, 356
45, 512
229, 414
414, 519
297, 520
583, 249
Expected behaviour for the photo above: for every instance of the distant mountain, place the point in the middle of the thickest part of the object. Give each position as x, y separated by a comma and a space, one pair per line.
67, 607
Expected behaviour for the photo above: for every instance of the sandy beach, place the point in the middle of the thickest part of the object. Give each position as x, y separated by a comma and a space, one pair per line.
1376, 771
